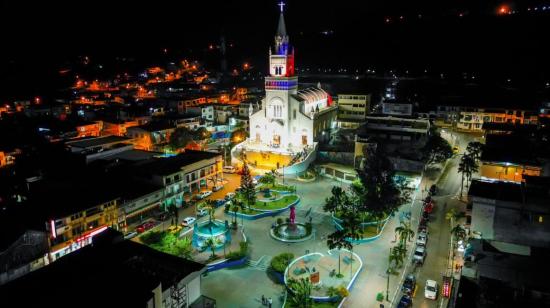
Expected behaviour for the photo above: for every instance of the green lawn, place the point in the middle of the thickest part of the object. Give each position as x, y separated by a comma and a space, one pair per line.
365, 217
276, 205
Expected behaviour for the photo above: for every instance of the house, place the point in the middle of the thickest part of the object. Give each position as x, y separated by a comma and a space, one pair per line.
100, 147
353, 109
151, 136
115, 271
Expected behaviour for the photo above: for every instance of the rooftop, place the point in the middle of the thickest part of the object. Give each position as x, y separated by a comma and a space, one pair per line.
154, 126
97, 141
171, 165
512, 149
122, 273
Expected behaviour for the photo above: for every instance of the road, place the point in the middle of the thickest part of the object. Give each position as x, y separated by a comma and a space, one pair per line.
438, 246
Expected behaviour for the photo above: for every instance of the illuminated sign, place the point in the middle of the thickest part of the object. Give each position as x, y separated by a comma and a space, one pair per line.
52, 227
446, 286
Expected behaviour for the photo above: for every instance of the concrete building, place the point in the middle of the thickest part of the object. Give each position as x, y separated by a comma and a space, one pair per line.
289, 118
151, 136
100, 147
182, 175
472, 119
397, 108
353, 109
112, 272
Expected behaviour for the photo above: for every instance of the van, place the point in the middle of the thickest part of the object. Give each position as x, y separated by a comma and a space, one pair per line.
229, 169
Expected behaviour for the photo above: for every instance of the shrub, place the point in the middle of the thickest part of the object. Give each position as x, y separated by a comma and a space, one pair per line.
234, 255
309, 227
153, 237
287, 220
379, 296
281, 261
279, 220
227, 207
243, 248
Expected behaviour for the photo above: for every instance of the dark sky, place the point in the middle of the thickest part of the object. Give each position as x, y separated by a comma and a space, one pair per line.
41, 36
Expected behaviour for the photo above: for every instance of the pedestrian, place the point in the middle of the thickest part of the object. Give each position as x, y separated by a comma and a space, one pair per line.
270, 302
263, 300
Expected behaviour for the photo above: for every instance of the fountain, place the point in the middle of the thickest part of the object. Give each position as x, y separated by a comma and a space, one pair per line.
292, 231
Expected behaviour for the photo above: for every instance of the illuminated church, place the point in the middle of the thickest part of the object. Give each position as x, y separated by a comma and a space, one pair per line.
290, 119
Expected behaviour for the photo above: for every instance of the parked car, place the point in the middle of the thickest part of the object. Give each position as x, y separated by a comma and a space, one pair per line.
229, 169
409, 284
130, 235
174, 229
456, 149
145, 226
405, 301
423, 229
219, 202
430, 290
203, 194
217, 188
426, 216
202, 212
422, 239
187, 221
429, 207
419, 254
229, 195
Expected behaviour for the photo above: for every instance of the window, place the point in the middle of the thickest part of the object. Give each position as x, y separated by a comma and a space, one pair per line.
294, 114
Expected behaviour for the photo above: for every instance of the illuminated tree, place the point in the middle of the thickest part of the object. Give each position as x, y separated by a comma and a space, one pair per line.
436, 150
467, 167
248, 189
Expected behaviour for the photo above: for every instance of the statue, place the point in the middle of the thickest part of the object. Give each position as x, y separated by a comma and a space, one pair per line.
292, 214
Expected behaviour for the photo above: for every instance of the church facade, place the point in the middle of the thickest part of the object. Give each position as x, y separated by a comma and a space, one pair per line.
290, 119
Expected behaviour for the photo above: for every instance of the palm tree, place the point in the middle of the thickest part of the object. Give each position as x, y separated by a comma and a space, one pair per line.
337, 240
467, 167
459, 232
210, 206
236, 205
269, 178
405, 233
300, 293
211, 243
184, 248
475, 149
452, 215
172, 208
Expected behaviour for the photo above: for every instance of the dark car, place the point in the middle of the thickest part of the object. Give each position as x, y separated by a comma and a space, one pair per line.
219, 202
405, 302
409, 284
145, 226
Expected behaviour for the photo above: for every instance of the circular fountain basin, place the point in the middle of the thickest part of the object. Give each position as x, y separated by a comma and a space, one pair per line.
291, 233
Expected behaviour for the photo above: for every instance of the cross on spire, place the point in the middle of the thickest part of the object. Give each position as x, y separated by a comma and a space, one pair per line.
282, 5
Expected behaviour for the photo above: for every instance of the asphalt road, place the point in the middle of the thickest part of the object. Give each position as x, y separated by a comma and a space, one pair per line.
438, 246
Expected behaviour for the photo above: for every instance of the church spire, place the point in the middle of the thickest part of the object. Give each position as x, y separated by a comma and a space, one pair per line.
281, 29
281, 38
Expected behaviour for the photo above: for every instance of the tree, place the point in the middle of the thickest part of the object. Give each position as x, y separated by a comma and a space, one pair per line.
379, 195
183, 248
467, 167
458, 232
475, 148
211, 243
300, 293
236, 206
238, 135
337, 240
175, 213
436, 149
248, 189
201, 133
180, 138
269, 178
336, 202
452, 215
405, 233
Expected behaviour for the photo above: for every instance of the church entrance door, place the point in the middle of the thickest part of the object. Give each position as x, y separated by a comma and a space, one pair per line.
304, 140
276, 140
258, 137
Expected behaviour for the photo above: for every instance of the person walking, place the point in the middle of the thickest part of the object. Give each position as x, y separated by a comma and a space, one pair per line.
263, 300
269, 302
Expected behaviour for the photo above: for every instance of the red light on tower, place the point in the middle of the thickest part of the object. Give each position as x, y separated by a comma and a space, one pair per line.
503, 10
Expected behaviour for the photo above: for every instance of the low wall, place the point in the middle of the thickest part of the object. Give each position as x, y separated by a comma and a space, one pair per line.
338, 221
226, 263
345, 158
267, 213
302, 166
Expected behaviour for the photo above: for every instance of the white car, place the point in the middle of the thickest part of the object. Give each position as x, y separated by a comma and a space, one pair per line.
217, 188
422, 239
202, 212
229, 169
187, 221
229, 195
130, 235
204, 194
430, 291
419, 254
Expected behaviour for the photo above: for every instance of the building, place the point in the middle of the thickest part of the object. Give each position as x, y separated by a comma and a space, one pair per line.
100, 147
352, 109
400, 138
511, 212
139, 201
151, 136
289, 119
472, 119
397, 108
78, 209
117, 127
114, 271
182, 174
509, 158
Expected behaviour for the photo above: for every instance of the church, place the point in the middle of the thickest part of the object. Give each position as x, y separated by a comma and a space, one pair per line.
290, 120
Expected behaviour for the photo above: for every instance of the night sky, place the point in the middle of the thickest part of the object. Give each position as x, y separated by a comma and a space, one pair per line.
41, 37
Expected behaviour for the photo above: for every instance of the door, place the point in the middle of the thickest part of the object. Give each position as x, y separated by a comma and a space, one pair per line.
304, 139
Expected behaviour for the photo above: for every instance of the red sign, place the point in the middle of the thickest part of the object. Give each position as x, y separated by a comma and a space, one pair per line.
314, 277
446, 286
